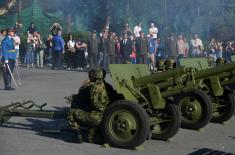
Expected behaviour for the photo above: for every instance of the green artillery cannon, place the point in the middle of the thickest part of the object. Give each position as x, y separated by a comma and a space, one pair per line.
124, 124
214, 82
154, 92
177, 82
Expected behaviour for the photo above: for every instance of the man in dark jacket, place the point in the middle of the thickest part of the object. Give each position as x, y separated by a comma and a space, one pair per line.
141, 48
126, 48
171, 47
92, 49
103, 51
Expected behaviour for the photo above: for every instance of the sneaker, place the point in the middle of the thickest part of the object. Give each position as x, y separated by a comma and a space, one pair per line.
69, 68
81, 69
9, 88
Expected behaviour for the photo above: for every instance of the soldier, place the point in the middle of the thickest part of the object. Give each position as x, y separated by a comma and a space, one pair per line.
141, 48
111, 49
170, 64
89, 104
9, 58
161, 65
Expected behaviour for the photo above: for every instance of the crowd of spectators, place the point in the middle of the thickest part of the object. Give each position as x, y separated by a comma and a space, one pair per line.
134, 46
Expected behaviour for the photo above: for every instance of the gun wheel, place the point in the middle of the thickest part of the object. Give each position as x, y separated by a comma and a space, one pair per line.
196, 109
169, 123
225, 108
125, 124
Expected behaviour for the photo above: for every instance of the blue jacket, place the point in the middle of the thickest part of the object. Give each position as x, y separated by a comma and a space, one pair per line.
8, 49
58, 43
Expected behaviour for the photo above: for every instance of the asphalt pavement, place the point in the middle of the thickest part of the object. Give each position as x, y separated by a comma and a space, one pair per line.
23, 136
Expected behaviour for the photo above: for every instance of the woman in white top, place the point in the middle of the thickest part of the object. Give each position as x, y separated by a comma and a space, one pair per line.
153, 30
71, 52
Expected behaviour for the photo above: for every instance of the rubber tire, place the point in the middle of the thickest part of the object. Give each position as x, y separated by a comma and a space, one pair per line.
140, 115
206, 105
174, 127
229, 111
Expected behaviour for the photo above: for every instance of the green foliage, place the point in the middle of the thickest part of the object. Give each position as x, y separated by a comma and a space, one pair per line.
211, 18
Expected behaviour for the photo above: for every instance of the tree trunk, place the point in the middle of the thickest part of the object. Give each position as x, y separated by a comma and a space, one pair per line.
68, 19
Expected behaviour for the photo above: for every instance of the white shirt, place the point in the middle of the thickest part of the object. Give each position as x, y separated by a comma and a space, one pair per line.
196, 43
17, 42
197, 46
71, 43
137, 30
153, 31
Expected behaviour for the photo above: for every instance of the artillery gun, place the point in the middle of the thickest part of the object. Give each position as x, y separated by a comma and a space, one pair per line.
171, 85
213, 100
138, 85
214, 82
125, 124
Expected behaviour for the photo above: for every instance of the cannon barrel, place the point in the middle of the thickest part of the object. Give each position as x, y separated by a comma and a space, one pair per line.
36, 113
159, 77
214, 71
24, 109
6, 114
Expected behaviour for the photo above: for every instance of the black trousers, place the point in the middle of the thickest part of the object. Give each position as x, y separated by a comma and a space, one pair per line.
6, 73
93, 60
141, 59
72, 61
57, 56
111, 59
81, 59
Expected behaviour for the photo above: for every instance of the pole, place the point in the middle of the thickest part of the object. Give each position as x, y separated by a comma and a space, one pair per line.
20, 9
165, 15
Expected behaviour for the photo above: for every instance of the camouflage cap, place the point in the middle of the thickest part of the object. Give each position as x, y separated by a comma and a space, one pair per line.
161, 62
169, 63
220, 61
96, 74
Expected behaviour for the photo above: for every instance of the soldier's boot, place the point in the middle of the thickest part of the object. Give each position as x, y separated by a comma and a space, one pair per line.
75, 126
79, 137
91, 135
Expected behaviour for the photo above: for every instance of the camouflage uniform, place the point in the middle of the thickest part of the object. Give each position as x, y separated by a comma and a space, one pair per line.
89, 104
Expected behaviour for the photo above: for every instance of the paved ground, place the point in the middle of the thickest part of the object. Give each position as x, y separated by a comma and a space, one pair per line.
22, 136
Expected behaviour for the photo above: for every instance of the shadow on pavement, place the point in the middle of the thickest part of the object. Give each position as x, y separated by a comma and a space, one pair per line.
207, 151
232, 137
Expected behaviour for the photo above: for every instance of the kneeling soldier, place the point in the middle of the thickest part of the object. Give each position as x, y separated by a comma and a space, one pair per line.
87, 107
